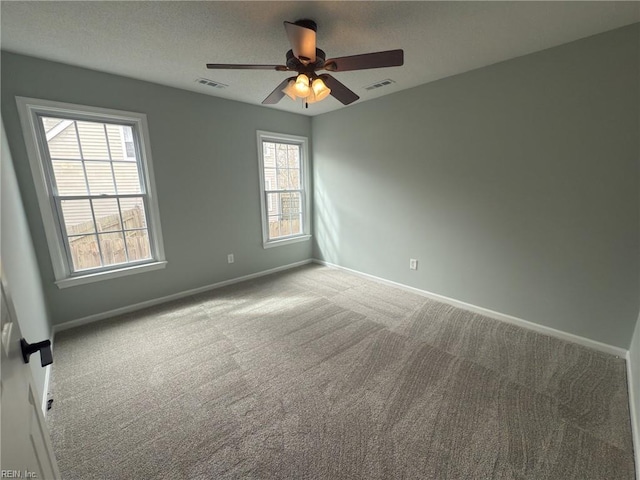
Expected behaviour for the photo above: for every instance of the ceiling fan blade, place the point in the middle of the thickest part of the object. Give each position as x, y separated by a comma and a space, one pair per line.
389, 58
302, 40
241, 66
339, 90
275, 96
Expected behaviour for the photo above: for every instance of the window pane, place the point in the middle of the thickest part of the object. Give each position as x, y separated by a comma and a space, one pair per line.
121, 142
279, 207
281, 155
294, 156
133, 214
48, 123
77, 216
69, 178
84, 252
269, 154
61, 138
283, 179
280, 226
100, 178
107, 214
290, 203
116, 142
93, 140
285, 214
127, 178
138, 245
274, 226
129, 146
296, 224
288, 179
273, 203
293, 179
270, 179
112, 245
285, 226
129, 149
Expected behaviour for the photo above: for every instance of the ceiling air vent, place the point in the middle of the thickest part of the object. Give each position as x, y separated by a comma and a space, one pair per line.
381, 83
210, 83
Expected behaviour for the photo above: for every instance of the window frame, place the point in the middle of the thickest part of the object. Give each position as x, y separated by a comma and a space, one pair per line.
42, 171
303, 143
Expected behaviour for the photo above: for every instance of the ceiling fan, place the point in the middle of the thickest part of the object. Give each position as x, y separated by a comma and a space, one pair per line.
305, 59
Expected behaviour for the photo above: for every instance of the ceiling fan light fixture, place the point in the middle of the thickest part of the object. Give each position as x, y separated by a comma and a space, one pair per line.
311, 98
301, 86
290, 90
320, 90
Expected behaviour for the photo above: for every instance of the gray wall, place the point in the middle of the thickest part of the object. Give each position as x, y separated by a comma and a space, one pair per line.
20, 266
515, 186
206, 171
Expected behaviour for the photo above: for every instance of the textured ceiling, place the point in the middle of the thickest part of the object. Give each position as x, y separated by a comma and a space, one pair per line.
170, 42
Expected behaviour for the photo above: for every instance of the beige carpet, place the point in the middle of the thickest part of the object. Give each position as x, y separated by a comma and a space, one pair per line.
319, 374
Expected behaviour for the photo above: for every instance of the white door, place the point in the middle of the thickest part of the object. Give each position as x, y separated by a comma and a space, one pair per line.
25, 448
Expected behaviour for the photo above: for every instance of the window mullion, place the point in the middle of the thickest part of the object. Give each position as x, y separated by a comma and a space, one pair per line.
101, 196
64, 159
284, 191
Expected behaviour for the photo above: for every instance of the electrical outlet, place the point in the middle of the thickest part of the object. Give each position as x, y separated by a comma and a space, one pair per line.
230, 258
413, 264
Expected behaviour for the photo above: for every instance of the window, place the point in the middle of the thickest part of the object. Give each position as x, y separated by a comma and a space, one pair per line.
283, 188
92, 172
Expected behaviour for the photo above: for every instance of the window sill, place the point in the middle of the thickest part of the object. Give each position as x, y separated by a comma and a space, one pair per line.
286, 241
98, 277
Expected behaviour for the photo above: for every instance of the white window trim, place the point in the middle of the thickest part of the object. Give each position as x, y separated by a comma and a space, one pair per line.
28, 109
306, 207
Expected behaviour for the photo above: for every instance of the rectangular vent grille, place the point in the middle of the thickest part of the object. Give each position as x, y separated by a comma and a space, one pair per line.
381, 83
211, 83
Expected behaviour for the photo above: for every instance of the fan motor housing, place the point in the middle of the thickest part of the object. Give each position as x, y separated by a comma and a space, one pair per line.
306, 23
294, 64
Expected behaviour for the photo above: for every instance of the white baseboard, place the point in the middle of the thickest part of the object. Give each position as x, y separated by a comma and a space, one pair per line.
156, 301
570, 337
635, 415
